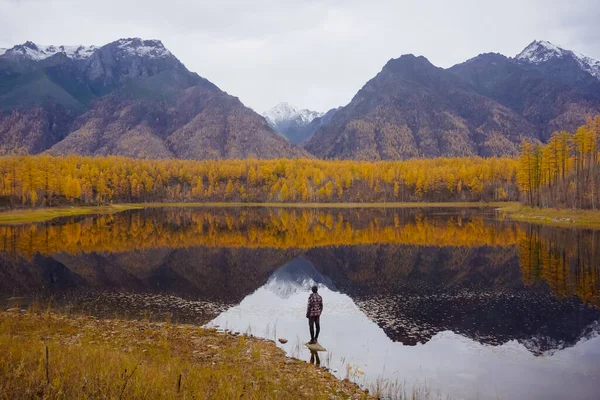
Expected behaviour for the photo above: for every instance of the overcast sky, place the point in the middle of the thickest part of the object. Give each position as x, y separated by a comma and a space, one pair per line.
311, 53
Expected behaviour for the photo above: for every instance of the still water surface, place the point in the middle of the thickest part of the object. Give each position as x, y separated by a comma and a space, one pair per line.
460, 301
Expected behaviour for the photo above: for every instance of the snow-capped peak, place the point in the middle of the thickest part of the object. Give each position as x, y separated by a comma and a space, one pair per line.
38, 52
133, 46
143, 48
283, 112
541, 51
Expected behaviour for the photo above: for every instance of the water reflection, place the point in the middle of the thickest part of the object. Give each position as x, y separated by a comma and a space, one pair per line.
255, 228
137, 283
314, 358
359, 349
457, 298
415, 292
296, 276
567, 260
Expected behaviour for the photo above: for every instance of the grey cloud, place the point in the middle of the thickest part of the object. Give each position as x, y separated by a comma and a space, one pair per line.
312, 53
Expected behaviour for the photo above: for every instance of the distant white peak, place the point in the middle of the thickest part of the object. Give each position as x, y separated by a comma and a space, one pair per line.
287, 112
38, 52
143, 48
281, 112
2, 50
541, 51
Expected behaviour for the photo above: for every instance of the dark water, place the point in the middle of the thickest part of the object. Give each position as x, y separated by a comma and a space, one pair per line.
459, 301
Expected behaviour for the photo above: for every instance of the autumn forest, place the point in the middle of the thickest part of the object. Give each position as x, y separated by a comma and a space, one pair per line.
43, 180
561, 173
564, 172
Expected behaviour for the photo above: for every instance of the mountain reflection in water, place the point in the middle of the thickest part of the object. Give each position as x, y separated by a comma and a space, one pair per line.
455, 297
448, 362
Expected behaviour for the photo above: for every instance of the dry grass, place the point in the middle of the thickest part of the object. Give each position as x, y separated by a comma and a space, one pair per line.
395, 390
24, 216
115, 359
554, 216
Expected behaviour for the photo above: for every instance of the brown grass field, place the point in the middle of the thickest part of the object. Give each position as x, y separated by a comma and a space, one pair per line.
89, 358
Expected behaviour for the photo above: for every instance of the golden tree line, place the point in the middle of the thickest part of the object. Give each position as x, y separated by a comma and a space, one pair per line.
564, 172
45, 180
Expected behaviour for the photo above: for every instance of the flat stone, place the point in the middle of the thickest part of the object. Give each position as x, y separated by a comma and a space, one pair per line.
315, 347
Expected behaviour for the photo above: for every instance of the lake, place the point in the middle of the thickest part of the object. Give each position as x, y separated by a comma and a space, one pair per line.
456, 302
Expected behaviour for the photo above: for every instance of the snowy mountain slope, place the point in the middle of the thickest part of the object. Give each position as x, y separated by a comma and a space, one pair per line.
588, 64
132, 46
38, 52
292, 122
144, 48
286, 113
540, 51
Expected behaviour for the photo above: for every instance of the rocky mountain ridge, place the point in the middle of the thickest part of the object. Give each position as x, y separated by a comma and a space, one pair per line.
134, 98
483, 107
131, 97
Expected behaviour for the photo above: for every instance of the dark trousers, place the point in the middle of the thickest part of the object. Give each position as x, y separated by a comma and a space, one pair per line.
312, 321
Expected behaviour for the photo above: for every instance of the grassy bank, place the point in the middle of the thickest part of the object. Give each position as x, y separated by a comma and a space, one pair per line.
23, 216
92, 358
553, 217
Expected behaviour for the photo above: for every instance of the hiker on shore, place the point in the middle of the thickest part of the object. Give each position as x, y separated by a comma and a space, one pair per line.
313, 313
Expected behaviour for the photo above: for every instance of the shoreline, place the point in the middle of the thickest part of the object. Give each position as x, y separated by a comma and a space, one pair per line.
514, 211
23, 216
564, 218
50, 354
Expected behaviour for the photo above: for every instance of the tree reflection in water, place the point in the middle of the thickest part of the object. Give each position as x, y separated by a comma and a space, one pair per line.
403, 276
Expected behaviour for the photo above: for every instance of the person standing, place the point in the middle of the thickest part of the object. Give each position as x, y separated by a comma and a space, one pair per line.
313, 313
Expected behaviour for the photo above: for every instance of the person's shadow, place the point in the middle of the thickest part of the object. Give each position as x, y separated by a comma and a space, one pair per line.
314, 358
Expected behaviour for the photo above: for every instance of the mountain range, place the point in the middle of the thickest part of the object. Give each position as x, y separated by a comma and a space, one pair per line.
134, 98
131, 97
485, 106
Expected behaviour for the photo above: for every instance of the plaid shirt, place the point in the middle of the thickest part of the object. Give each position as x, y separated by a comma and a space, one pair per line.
315, 305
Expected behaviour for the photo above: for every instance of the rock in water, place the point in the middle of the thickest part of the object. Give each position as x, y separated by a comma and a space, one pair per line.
282, 340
